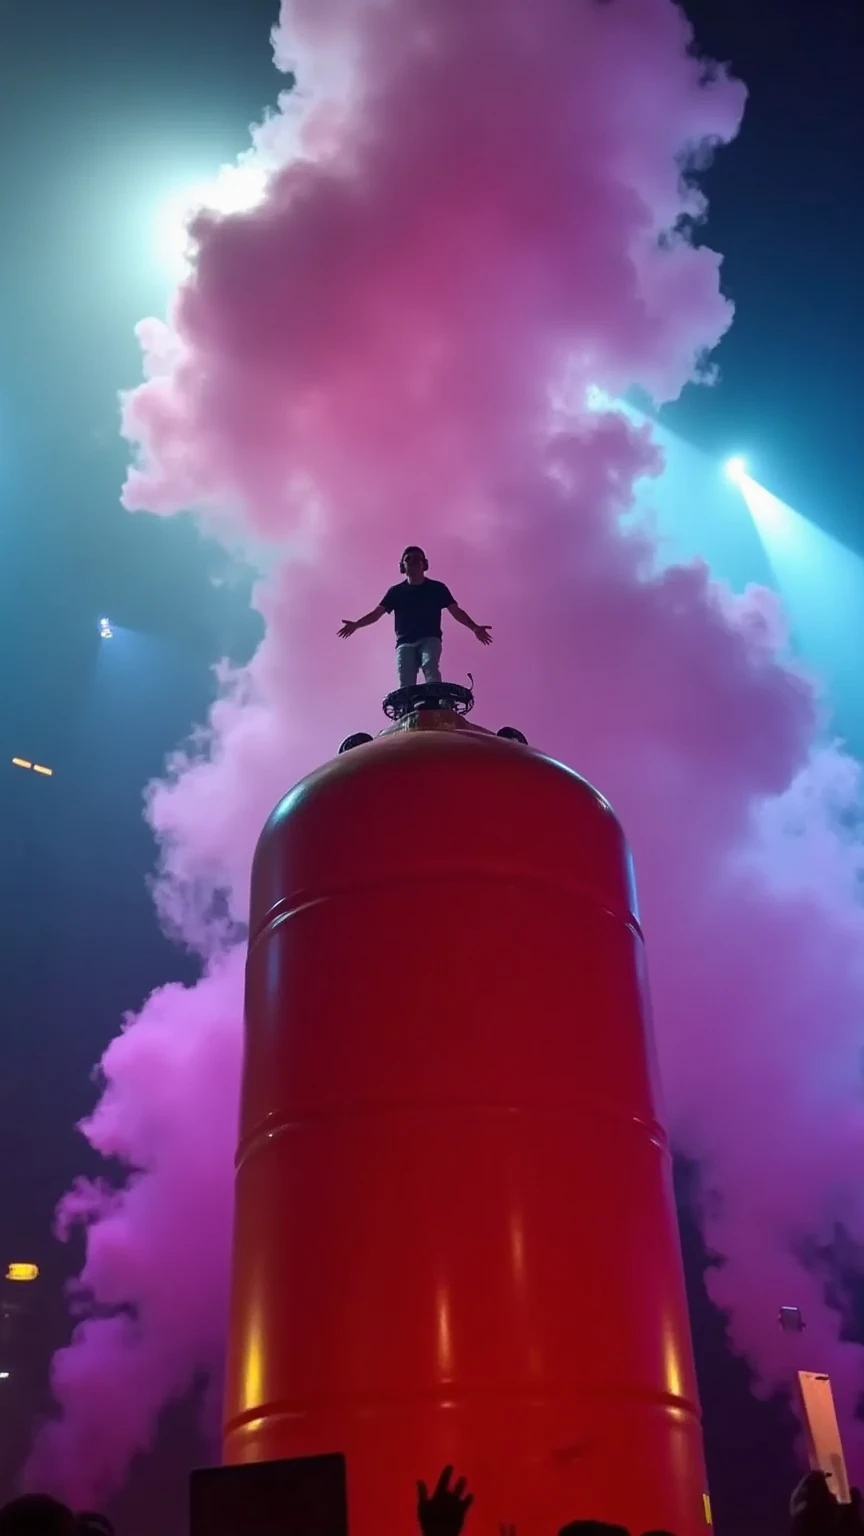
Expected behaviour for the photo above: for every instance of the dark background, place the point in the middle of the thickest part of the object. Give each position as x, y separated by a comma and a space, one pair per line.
101, 110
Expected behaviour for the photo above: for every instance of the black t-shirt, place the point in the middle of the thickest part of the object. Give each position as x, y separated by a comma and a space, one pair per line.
417, 608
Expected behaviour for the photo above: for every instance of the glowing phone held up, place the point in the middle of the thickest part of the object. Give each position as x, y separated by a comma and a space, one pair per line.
823, 1432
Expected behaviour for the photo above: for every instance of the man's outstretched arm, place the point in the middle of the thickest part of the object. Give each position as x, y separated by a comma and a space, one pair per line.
349, 625
480, 630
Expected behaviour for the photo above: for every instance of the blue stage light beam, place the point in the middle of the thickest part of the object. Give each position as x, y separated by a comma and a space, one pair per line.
822, 583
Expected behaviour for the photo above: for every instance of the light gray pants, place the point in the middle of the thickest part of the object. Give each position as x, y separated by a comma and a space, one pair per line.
420, 653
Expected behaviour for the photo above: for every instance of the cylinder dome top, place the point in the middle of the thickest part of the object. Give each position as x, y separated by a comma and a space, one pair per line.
434, 796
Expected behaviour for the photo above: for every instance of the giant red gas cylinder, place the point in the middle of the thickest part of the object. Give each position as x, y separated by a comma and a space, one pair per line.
455, 1236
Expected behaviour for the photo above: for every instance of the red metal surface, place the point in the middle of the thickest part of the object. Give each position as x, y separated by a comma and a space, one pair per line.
455, 1234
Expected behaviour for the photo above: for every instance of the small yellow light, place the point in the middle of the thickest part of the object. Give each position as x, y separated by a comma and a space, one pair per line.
22, 1272
22, 762
38, 768
706, 1505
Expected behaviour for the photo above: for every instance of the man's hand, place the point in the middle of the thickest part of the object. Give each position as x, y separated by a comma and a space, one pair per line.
348, 628
816, 1512
443, 1514
482, 633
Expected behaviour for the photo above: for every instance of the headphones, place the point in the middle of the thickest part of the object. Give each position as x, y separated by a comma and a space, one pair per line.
413, 549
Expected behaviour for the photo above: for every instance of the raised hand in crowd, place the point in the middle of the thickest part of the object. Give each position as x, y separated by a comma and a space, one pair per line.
592, 1528
814, 1511
442, 1513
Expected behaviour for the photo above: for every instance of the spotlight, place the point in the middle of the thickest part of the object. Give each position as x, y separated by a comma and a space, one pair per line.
23, 1272
24, 762
736, 470
105, 629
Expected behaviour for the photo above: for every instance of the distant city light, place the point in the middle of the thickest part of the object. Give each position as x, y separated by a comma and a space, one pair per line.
22, 1272
24, 762
4, 1375
736, 470
105, 629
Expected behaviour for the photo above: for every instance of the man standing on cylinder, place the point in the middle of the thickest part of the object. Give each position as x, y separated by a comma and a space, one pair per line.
417, 605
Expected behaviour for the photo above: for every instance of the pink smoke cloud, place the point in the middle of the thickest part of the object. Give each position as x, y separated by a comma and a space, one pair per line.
476, 216
151, 1245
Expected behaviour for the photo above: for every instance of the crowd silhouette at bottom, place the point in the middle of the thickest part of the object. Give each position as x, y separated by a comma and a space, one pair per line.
814, 1511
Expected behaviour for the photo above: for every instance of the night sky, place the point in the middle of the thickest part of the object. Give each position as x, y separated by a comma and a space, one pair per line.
104, 112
